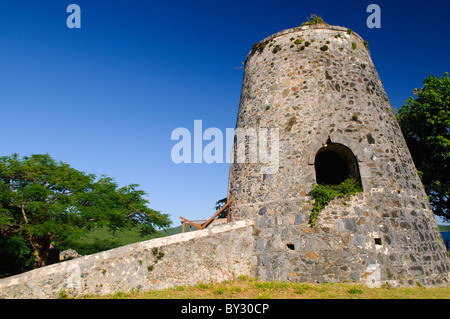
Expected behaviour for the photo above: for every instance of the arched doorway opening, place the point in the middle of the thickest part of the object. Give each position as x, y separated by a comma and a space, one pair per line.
334, 163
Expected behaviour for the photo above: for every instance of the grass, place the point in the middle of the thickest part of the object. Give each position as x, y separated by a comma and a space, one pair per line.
247, 288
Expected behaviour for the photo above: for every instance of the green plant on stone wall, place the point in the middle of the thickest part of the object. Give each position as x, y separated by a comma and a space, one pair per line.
323, 194
276, 49
158, 254
314, 19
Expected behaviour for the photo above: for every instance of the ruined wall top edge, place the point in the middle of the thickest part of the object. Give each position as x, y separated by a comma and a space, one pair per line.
304, 28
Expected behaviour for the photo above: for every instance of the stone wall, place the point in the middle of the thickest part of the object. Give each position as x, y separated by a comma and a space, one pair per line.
319, 86
213, 254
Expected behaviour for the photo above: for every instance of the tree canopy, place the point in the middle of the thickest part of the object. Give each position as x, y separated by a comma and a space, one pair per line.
43, 200
425, 123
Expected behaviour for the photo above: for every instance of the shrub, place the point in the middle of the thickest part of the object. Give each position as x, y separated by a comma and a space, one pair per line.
276, 48
354, 291
258, 47
323, 194
314, 19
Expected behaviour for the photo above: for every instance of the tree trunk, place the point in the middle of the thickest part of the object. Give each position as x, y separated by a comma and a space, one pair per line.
40, 247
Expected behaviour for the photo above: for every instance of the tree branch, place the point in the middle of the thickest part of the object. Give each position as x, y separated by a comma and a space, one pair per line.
24, 215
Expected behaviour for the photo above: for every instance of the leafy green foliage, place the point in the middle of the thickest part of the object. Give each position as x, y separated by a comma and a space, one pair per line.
314, 19
425, 123
44, 201
15, 256
219, 204
366, 44
259, 47
276, 48
323, 194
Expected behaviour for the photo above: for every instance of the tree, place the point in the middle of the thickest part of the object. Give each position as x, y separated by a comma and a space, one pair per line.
219, 204
43, 200
425, 123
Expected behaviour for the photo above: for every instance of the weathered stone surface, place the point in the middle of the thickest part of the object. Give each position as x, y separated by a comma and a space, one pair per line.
334, 97
217, 253
312, 255
68, 255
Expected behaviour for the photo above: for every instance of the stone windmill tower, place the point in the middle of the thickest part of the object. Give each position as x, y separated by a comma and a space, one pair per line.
318, 85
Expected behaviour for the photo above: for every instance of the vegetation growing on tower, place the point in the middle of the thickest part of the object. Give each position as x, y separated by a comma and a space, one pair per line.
314, 19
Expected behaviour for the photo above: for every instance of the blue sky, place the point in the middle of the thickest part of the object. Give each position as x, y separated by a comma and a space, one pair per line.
105, 98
